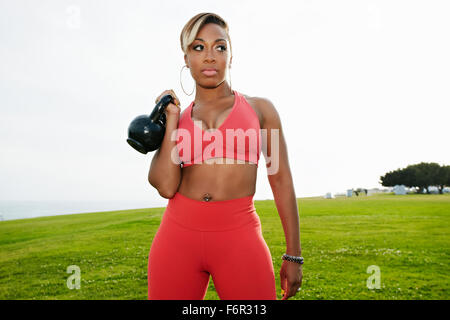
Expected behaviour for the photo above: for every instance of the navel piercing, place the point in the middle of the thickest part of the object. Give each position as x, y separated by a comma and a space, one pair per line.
207, 197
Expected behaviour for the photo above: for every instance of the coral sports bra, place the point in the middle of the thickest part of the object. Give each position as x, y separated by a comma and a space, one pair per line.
238, 138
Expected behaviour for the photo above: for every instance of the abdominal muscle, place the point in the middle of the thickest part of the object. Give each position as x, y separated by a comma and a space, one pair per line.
214, 181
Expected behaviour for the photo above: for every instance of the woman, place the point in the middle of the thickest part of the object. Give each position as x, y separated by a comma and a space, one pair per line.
210, 225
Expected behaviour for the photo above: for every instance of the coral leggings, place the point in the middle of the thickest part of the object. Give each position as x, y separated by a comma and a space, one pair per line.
198, 239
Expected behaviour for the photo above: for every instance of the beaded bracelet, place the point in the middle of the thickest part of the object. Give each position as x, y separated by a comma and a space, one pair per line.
292, 258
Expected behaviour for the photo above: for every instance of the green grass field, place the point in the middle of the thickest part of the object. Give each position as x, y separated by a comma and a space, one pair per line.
407, 237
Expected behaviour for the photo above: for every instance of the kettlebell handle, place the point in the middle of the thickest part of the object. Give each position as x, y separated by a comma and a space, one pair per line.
160, 107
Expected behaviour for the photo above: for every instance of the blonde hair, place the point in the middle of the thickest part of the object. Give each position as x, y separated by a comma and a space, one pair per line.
192, 27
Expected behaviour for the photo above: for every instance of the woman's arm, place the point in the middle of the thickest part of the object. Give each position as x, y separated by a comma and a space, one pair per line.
165, 172
280, 177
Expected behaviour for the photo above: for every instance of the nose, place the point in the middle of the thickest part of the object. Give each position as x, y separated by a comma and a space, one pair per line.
209, 55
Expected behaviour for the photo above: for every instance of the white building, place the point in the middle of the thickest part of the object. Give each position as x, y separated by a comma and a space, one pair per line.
328, 195
433, 189
399, 189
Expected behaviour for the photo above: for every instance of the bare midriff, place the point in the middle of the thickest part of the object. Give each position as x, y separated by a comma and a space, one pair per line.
212, 180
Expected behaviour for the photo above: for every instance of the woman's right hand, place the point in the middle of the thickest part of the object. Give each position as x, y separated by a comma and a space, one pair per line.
171, 109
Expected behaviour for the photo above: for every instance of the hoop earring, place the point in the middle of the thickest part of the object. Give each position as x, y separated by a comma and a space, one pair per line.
229, 73
184, 66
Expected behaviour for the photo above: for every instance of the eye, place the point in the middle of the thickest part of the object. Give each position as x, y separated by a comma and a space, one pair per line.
196, 46
224, 48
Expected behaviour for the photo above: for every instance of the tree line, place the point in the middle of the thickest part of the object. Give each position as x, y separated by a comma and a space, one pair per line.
419, 176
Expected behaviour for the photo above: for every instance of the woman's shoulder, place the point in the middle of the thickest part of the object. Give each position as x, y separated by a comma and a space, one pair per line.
183, 113
263, 107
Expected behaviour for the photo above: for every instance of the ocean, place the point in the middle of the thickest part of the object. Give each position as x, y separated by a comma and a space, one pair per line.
12, 210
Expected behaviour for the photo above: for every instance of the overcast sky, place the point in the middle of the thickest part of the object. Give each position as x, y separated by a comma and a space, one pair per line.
362, 88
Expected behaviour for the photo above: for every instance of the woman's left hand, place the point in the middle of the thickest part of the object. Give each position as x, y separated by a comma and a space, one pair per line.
291, 275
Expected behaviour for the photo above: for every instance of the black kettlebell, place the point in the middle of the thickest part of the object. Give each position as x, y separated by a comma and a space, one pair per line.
146, 133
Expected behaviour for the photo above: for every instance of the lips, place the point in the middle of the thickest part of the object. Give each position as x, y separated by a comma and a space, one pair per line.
209, 72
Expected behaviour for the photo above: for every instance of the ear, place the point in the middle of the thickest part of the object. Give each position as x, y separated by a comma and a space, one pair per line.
186, 60
231, 60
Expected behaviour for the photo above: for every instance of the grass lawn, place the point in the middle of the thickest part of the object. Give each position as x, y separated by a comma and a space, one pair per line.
407, 237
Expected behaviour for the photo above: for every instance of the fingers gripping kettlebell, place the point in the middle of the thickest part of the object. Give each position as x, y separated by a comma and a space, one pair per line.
146, 133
